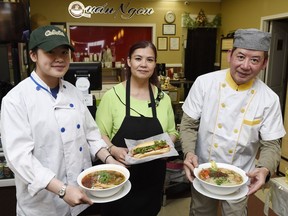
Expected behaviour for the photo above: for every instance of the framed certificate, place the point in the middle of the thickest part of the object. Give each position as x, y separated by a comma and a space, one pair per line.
174, 43
162, 43
169, 29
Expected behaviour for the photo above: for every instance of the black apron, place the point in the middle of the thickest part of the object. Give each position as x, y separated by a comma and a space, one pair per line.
147, 179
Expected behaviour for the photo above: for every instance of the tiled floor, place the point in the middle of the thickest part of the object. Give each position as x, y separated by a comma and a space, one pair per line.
180, 207
176, 207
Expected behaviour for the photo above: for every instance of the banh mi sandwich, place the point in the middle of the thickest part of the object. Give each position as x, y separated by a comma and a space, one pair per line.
150, 148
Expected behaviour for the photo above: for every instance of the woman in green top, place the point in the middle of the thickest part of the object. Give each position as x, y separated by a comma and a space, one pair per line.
137, 109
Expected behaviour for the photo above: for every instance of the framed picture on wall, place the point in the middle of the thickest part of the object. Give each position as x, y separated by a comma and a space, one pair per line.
162, 43
169, 29
174, 43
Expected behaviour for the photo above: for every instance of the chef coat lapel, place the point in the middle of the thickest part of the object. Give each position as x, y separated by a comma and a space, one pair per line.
243, 130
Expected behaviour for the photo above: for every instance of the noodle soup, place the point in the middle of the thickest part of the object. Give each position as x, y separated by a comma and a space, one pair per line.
103, 179
221, 176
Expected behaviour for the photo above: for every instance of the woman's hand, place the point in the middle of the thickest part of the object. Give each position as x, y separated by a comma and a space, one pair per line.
75, 196
112, 160
119, 153
190, 162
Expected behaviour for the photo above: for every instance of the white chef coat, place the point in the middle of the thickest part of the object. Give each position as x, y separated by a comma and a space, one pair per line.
45, 137
232, 118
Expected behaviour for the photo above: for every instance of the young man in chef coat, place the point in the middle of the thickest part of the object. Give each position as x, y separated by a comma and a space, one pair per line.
230, 115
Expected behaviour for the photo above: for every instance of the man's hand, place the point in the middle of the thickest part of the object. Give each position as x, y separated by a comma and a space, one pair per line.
190, 162
257, 179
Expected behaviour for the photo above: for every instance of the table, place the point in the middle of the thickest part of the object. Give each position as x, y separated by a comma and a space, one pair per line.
183, 85
278, 196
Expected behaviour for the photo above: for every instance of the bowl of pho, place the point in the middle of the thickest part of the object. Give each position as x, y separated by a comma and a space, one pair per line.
103, 180
220, 178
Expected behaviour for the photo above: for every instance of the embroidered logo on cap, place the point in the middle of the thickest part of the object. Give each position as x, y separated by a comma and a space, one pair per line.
54, 32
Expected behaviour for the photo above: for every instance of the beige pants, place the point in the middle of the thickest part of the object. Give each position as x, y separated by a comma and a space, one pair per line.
205, 206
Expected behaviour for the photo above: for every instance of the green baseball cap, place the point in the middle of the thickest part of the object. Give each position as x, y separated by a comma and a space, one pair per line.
48, 38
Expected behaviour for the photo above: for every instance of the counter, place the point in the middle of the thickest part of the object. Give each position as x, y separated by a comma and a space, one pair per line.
183, 85
7, 182
278, 196
7, 194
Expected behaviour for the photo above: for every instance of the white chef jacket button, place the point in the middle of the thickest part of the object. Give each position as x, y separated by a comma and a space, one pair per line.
242, 110
235, 131
223, 85
216, 145
230, 151
38, 88
80, 149
223, 105
71, 105
62, 129
252, 91
64, 86
78, 126
219, 125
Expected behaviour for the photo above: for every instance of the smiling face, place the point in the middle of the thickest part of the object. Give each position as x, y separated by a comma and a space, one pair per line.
142, 63
52, 65
245, 64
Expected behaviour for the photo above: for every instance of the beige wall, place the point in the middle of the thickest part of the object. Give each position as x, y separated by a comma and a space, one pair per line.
248, 13
57, 11
235, 14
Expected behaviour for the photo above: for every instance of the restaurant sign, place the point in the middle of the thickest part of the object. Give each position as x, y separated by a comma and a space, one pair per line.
77, 10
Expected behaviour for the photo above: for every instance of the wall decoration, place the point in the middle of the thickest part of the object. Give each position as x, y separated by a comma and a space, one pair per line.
162, 43
170, 17
174, 43
200, 20
169, 29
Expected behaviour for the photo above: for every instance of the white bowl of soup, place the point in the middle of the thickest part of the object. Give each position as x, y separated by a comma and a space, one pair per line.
103, 180
220, 178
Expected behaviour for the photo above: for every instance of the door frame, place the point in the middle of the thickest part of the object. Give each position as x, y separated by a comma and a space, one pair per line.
264, 26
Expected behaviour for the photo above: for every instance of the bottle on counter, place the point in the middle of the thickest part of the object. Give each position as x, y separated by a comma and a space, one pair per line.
7, 172
1, 169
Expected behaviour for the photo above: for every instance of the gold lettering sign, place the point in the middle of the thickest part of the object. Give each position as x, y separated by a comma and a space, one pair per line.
77, 10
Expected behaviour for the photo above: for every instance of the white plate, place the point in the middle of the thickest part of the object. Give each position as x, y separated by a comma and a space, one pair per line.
126, 188
236, 195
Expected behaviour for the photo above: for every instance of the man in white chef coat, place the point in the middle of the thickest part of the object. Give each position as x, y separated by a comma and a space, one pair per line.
229, 116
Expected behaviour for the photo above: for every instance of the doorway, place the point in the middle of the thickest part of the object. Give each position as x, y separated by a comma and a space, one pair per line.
276, 73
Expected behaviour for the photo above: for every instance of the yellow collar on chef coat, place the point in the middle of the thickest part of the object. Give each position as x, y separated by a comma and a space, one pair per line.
235, 86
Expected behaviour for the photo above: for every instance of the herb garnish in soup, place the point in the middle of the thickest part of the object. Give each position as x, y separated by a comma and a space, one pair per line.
220, 176
103, 179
